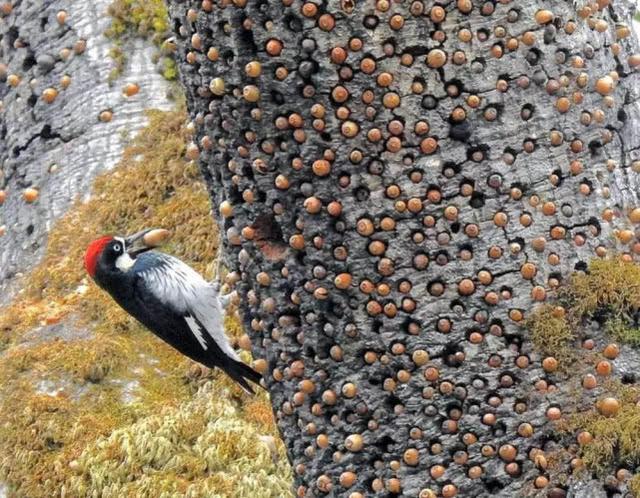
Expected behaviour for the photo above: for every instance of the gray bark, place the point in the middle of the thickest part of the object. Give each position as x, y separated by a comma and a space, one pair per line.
35, 136
305, 327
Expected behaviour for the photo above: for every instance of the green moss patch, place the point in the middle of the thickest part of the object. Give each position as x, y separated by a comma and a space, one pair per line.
146, 19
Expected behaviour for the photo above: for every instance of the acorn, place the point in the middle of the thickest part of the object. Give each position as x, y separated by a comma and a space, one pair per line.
105, 116
49, 95
30, 195
253, 69
217, 86
61, 17
605, 85
225, 209
131, 89
13, 80
608, 407
354, 442
251, 93
156, 237
544, 16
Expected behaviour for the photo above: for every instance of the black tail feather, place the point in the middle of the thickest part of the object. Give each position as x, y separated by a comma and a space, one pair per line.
241, 372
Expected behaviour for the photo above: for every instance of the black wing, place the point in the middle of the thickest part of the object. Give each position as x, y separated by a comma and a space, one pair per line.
184, 330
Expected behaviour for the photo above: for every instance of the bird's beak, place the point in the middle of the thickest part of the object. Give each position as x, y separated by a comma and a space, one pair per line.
145, 240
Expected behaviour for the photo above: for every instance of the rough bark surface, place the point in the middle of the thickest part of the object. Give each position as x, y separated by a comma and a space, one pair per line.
398, 185
59, 148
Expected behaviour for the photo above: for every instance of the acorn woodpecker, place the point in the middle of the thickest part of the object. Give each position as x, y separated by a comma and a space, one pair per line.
169, 298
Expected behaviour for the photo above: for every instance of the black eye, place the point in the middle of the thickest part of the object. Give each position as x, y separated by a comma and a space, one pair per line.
116, 247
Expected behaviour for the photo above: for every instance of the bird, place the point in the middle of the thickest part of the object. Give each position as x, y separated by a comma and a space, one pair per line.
169, 298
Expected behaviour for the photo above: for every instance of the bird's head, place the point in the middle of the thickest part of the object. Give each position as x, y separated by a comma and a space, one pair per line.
113, 253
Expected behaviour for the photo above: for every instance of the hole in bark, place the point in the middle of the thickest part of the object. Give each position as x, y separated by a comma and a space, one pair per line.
555, 275
499, 429
460, 131
477, 200
629, 378
277, 97
12, 35
247, 43
28, 62
622, 116
581, 266
293, 23
362, 194
267, 229
30, 229
533, 56
32, 100
493, 485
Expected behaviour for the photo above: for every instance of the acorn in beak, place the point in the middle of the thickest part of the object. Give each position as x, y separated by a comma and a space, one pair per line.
145, 240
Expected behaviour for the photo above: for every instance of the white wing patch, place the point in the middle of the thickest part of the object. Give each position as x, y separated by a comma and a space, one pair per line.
177, 283
195, 328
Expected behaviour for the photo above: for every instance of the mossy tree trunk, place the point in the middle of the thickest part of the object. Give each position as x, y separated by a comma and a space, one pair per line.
398, 184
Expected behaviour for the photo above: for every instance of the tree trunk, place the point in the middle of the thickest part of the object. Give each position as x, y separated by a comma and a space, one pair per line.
398, 184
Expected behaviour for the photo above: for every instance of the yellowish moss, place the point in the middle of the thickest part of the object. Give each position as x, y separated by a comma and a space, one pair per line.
147, 19
103, 385
611, 285
551, 332
200, 448
615, 439
634, 485
620, 330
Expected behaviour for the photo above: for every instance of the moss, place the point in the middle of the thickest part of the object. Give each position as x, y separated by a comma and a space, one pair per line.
103, 385
616, 441
551, 332
147, 19
201, 448
611, 286
622, 331
634, 485
169, 69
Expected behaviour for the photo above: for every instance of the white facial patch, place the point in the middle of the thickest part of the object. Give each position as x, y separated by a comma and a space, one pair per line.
124, 262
